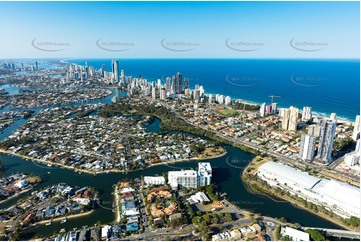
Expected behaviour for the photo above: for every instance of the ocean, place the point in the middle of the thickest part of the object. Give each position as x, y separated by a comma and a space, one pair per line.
325, 85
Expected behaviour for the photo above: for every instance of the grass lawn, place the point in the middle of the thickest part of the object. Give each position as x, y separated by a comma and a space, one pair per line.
228, 112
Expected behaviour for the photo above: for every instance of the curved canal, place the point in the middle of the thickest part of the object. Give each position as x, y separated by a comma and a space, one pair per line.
227, 175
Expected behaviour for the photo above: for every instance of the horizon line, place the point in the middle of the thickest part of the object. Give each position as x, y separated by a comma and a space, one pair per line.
174, 58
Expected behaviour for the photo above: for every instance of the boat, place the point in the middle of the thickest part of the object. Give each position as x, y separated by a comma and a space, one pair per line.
50, 165
49, 172
47, 224
63, 221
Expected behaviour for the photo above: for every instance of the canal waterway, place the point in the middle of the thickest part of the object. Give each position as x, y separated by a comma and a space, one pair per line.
227, 176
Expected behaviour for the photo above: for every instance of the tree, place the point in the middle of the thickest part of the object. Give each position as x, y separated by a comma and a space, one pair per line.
278, 232
285, 238
315, 235
354, 221
195, 220
207, 218
216, 219
190, 211
15, 236
228, 217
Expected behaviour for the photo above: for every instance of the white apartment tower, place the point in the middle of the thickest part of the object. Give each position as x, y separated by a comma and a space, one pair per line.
325, 145
262, 110
306, 114
292, 124
190, 178
307, 147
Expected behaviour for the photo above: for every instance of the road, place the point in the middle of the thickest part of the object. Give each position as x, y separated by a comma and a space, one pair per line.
281, 158
160, 232
338, 233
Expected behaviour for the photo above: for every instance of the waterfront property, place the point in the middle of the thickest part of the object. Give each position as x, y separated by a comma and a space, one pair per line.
338, 197
54, 202
190, 178
71, 137
139, 145
15, 184
128, 203
48, 98
8, 118
154, 180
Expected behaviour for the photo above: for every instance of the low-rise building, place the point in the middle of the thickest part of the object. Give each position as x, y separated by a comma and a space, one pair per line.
294, 234
199, 197
154, 180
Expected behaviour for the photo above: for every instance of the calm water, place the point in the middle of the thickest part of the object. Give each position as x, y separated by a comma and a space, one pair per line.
14, 90
325, 85
225, 176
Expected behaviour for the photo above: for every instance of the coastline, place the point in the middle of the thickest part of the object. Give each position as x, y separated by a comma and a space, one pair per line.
316, 113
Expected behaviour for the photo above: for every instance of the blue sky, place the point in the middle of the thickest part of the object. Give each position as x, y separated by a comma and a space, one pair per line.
180, 29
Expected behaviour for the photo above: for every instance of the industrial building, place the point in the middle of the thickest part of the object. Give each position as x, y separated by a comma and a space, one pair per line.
339, 197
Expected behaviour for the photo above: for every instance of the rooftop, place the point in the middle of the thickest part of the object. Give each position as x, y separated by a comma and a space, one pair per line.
290, 174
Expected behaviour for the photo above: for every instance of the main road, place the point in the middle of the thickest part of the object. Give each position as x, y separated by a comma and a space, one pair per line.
285, 160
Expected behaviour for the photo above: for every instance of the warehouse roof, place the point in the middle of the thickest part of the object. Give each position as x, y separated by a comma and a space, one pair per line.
340, 193
293, 176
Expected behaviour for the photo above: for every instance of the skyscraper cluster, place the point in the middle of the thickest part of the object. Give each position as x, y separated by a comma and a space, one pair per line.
326, 132
267, 109
8, 65
81, 73
11, 66
177, 83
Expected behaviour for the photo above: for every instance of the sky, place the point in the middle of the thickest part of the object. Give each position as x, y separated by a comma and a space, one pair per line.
180, 30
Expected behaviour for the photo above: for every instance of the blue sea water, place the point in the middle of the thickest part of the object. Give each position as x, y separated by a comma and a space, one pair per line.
325, 85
